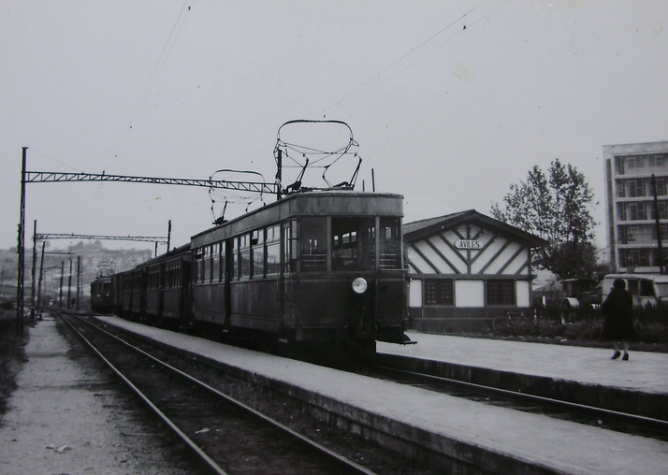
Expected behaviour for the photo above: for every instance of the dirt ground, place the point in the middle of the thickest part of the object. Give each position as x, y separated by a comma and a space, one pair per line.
66, 416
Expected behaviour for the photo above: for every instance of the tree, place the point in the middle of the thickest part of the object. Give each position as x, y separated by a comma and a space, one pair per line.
555, 208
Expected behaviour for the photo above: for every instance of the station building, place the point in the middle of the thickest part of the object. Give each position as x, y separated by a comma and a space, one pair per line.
632, 174
465, 269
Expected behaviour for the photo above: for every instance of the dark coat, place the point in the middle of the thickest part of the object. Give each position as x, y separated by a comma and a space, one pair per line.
618, 311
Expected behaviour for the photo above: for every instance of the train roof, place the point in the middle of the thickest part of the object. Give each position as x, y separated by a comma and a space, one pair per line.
177, 251
311, 203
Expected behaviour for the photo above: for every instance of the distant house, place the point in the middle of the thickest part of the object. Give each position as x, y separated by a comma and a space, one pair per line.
466, 268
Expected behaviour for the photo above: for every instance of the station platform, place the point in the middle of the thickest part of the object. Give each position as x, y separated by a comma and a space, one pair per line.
575, 374
454, 434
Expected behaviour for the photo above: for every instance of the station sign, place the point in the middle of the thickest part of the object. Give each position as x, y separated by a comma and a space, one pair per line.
468, 244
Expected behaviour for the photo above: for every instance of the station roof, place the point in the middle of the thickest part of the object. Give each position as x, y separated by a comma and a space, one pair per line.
426, 227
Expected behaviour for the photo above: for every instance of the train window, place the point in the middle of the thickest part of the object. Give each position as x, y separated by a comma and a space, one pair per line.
257, 240
500, 292
313, 244
353, 243
153, 279
244, 255
199, 266
391, 250
207, 264
234, 263
215, 263
176, 275
273, 249
168, 274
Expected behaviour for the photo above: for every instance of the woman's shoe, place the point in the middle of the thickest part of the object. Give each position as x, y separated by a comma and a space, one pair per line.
625, 357
616, 355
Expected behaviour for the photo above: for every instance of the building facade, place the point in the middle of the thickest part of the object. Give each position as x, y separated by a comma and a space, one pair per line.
465, 269
635, 174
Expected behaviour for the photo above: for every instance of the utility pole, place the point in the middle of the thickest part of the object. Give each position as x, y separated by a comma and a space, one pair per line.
169, 234
78, 281
279, 174
69, 288
60, 291
34, 260
39, 286
21, 248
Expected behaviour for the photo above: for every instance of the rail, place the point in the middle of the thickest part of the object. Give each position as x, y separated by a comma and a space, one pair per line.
344, 465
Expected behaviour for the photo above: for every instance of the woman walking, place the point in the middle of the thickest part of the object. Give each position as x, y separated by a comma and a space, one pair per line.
618, 323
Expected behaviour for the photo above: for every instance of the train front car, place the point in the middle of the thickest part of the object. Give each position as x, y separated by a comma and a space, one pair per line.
347, 278
101, 299
315, 267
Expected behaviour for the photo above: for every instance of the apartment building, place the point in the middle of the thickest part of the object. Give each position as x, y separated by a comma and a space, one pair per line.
635, 174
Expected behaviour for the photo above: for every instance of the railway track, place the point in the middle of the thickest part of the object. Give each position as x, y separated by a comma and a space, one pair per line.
225, 435
579, 413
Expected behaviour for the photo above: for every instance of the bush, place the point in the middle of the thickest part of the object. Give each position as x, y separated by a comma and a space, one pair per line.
582, 326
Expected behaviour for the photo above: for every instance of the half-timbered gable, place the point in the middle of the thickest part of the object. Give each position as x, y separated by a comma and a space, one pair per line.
466, 268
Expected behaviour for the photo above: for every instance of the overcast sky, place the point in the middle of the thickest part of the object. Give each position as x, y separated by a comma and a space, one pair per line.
450, 101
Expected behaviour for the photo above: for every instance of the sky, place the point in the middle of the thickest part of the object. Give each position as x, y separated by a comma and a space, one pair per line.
450, 102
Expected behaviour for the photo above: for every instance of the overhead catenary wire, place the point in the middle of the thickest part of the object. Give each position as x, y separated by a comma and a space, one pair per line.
377, 76
162, 58
439, 45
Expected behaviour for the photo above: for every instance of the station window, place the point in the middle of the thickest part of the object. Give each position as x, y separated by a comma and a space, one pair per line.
273, 249
500, 292
438, 292
313, 244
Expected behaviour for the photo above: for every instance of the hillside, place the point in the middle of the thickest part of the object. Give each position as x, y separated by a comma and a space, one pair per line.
94, 257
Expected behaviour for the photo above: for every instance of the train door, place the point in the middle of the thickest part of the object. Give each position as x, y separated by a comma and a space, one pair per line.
288, 234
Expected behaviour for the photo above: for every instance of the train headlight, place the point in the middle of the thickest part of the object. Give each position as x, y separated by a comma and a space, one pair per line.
360, 285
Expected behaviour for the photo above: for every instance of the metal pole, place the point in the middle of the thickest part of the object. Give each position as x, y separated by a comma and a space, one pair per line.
60, 291
41, 276
21, 248
69, 288
373, 180
169, 233
279, 174
658, 226
78, 282
34, 261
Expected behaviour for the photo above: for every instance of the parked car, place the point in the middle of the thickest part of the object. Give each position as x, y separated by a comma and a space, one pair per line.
646, 289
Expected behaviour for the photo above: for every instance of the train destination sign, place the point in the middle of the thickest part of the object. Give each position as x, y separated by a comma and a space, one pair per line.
468, 244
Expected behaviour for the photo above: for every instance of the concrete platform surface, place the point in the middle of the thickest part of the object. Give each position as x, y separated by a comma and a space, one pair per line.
65, 418
645, 371
446, 424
